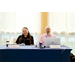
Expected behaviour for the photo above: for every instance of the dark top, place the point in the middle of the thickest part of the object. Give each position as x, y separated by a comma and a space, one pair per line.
24, 40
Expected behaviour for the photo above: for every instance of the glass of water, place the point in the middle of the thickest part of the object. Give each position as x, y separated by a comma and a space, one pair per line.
7, 42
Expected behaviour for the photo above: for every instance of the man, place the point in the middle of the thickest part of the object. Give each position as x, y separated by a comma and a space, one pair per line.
46, 35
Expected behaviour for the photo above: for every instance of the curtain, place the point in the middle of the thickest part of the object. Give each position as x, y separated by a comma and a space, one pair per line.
63, 25
11, 24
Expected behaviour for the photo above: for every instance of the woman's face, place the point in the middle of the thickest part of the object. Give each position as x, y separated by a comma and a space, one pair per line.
25, 31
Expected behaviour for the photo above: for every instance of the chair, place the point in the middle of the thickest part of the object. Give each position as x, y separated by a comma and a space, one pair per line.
14, 40
72, 57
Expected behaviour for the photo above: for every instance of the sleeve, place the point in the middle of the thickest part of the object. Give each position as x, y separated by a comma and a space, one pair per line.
32, 40
17, 41
54, 36
40, 40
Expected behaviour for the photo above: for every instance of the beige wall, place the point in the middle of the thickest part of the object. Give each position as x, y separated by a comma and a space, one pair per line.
44, 21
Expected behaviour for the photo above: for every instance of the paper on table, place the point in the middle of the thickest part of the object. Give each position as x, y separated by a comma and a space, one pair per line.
13, 46
55, 46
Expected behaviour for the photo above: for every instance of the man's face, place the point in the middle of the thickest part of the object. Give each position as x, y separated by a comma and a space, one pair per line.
48, 30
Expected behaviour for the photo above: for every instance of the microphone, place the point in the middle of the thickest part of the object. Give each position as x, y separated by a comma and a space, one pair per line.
61, 54
41, 46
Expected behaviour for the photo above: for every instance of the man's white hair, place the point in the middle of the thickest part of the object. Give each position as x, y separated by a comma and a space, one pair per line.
47, 27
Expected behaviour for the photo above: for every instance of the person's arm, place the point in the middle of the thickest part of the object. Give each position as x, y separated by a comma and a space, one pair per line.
17, 41
32, 40
54, 36
41, 39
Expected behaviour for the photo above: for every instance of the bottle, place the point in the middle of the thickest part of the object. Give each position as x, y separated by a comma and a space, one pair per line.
40, 44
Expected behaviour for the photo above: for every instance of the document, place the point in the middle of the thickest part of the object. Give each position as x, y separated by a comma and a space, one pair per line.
13, 46
55, 46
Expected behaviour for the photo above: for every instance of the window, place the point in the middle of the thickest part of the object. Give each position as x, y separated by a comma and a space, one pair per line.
63, 25
11, 24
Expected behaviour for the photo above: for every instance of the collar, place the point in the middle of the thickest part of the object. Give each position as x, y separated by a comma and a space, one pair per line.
25, 37
47, 35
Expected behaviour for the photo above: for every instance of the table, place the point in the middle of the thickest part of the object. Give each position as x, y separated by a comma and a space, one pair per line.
34, 54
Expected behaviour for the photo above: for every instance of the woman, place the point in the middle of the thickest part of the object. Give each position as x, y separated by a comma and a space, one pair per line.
25, 38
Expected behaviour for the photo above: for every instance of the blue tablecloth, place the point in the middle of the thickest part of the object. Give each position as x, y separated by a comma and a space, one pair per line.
34, 54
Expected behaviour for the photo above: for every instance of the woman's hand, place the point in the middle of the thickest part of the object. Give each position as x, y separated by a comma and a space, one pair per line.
15, 43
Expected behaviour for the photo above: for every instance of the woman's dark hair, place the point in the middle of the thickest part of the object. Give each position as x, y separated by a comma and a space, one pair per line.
29, 35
